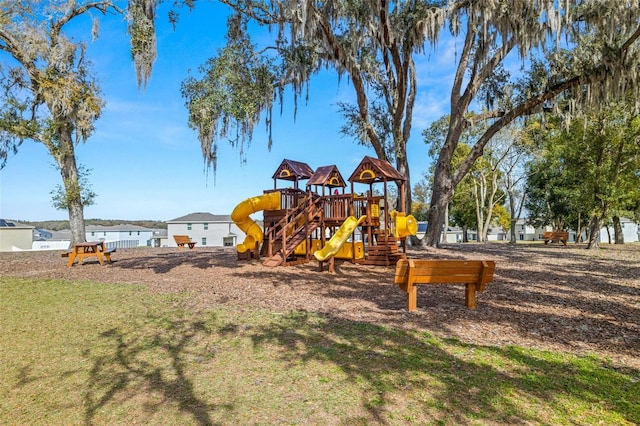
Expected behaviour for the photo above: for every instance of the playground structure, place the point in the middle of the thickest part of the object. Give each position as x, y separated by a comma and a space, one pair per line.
323, 222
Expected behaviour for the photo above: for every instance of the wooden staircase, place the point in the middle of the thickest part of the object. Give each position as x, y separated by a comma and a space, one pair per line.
293, 229
384, 253
281, 256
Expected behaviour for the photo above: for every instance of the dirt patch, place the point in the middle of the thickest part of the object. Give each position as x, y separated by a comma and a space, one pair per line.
548, 297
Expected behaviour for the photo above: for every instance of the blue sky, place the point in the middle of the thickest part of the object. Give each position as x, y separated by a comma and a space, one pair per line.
145, 161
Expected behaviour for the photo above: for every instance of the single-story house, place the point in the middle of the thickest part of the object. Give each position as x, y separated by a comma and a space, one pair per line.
206, 229
120, 236
15, 236
125, 235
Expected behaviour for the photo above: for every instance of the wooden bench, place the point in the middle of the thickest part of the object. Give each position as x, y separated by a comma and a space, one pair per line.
475, 274
559, 236
184, 240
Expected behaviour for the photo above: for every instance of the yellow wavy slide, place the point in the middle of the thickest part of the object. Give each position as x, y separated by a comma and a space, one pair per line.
339, 238
253, 231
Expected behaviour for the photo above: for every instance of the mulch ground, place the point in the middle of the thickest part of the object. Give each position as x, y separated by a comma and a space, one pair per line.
548, 297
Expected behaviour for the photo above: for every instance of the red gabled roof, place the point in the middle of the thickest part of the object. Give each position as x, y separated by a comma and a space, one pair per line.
372, 170
327, 176
293, 170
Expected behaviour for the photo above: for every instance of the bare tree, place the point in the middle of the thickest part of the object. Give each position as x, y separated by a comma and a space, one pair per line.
513, 174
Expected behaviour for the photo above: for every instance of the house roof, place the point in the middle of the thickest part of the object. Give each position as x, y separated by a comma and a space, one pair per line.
293, 170
61, 235
201, 217
116, 228
11, 224
327, 176
372, 170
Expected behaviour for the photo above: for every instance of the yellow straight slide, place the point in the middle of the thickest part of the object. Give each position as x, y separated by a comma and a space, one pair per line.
240, 216
339, 238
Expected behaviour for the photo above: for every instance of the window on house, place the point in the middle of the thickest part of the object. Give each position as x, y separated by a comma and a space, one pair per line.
206, 226
188, 227
521, 237
227, 241
204, 241
129, 232
138, 232
104, 234
93, 234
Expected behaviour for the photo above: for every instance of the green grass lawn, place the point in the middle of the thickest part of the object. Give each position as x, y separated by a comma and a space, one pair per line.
86, 353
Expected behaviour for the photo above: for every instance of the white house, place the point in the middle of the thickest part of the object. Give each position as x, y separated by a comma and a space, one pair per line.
526, 232
454, 233
125, 235
630, 231
206, 229
15, 236
160, 238
120, 236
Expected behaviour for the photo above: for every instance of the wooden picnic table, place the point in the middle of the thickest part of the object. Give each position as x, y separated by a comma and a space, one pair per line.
95, 249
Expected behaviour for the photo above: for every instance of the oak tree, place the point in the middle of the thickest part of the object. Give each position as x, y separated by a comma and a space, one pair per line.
585, 50
47, 91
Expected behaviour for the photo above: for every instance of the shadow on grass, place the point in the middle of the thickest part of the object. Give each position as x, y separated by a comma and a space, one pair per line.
151, 360
464, 382
577, 298
437, 380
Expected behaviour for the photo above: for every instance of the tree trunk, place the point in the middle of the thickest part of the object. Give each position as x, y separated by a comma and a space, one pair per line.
594, 233
443, 190
403, 168
479, 197
579, 230
445, 228
69, 172
437, 212
617, 230
512, 231
465, 235
512, 212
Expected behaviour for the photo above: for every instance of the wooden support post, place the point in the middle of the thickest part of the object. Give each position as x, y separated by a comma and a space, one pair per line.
412, 293
470, 296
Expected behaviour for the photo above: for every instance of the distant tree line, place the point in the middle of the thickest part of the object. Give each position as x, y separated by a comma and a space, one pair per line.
58, 225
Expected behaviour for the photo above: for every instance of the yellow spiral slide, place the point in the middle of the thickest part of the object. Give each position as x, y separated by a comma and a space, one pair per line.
253, 231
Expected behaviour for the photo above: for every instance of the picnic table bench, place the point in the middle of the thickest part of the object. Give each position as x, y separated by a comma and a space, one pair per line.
95, 249
560, 236
184, 240
475, 274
